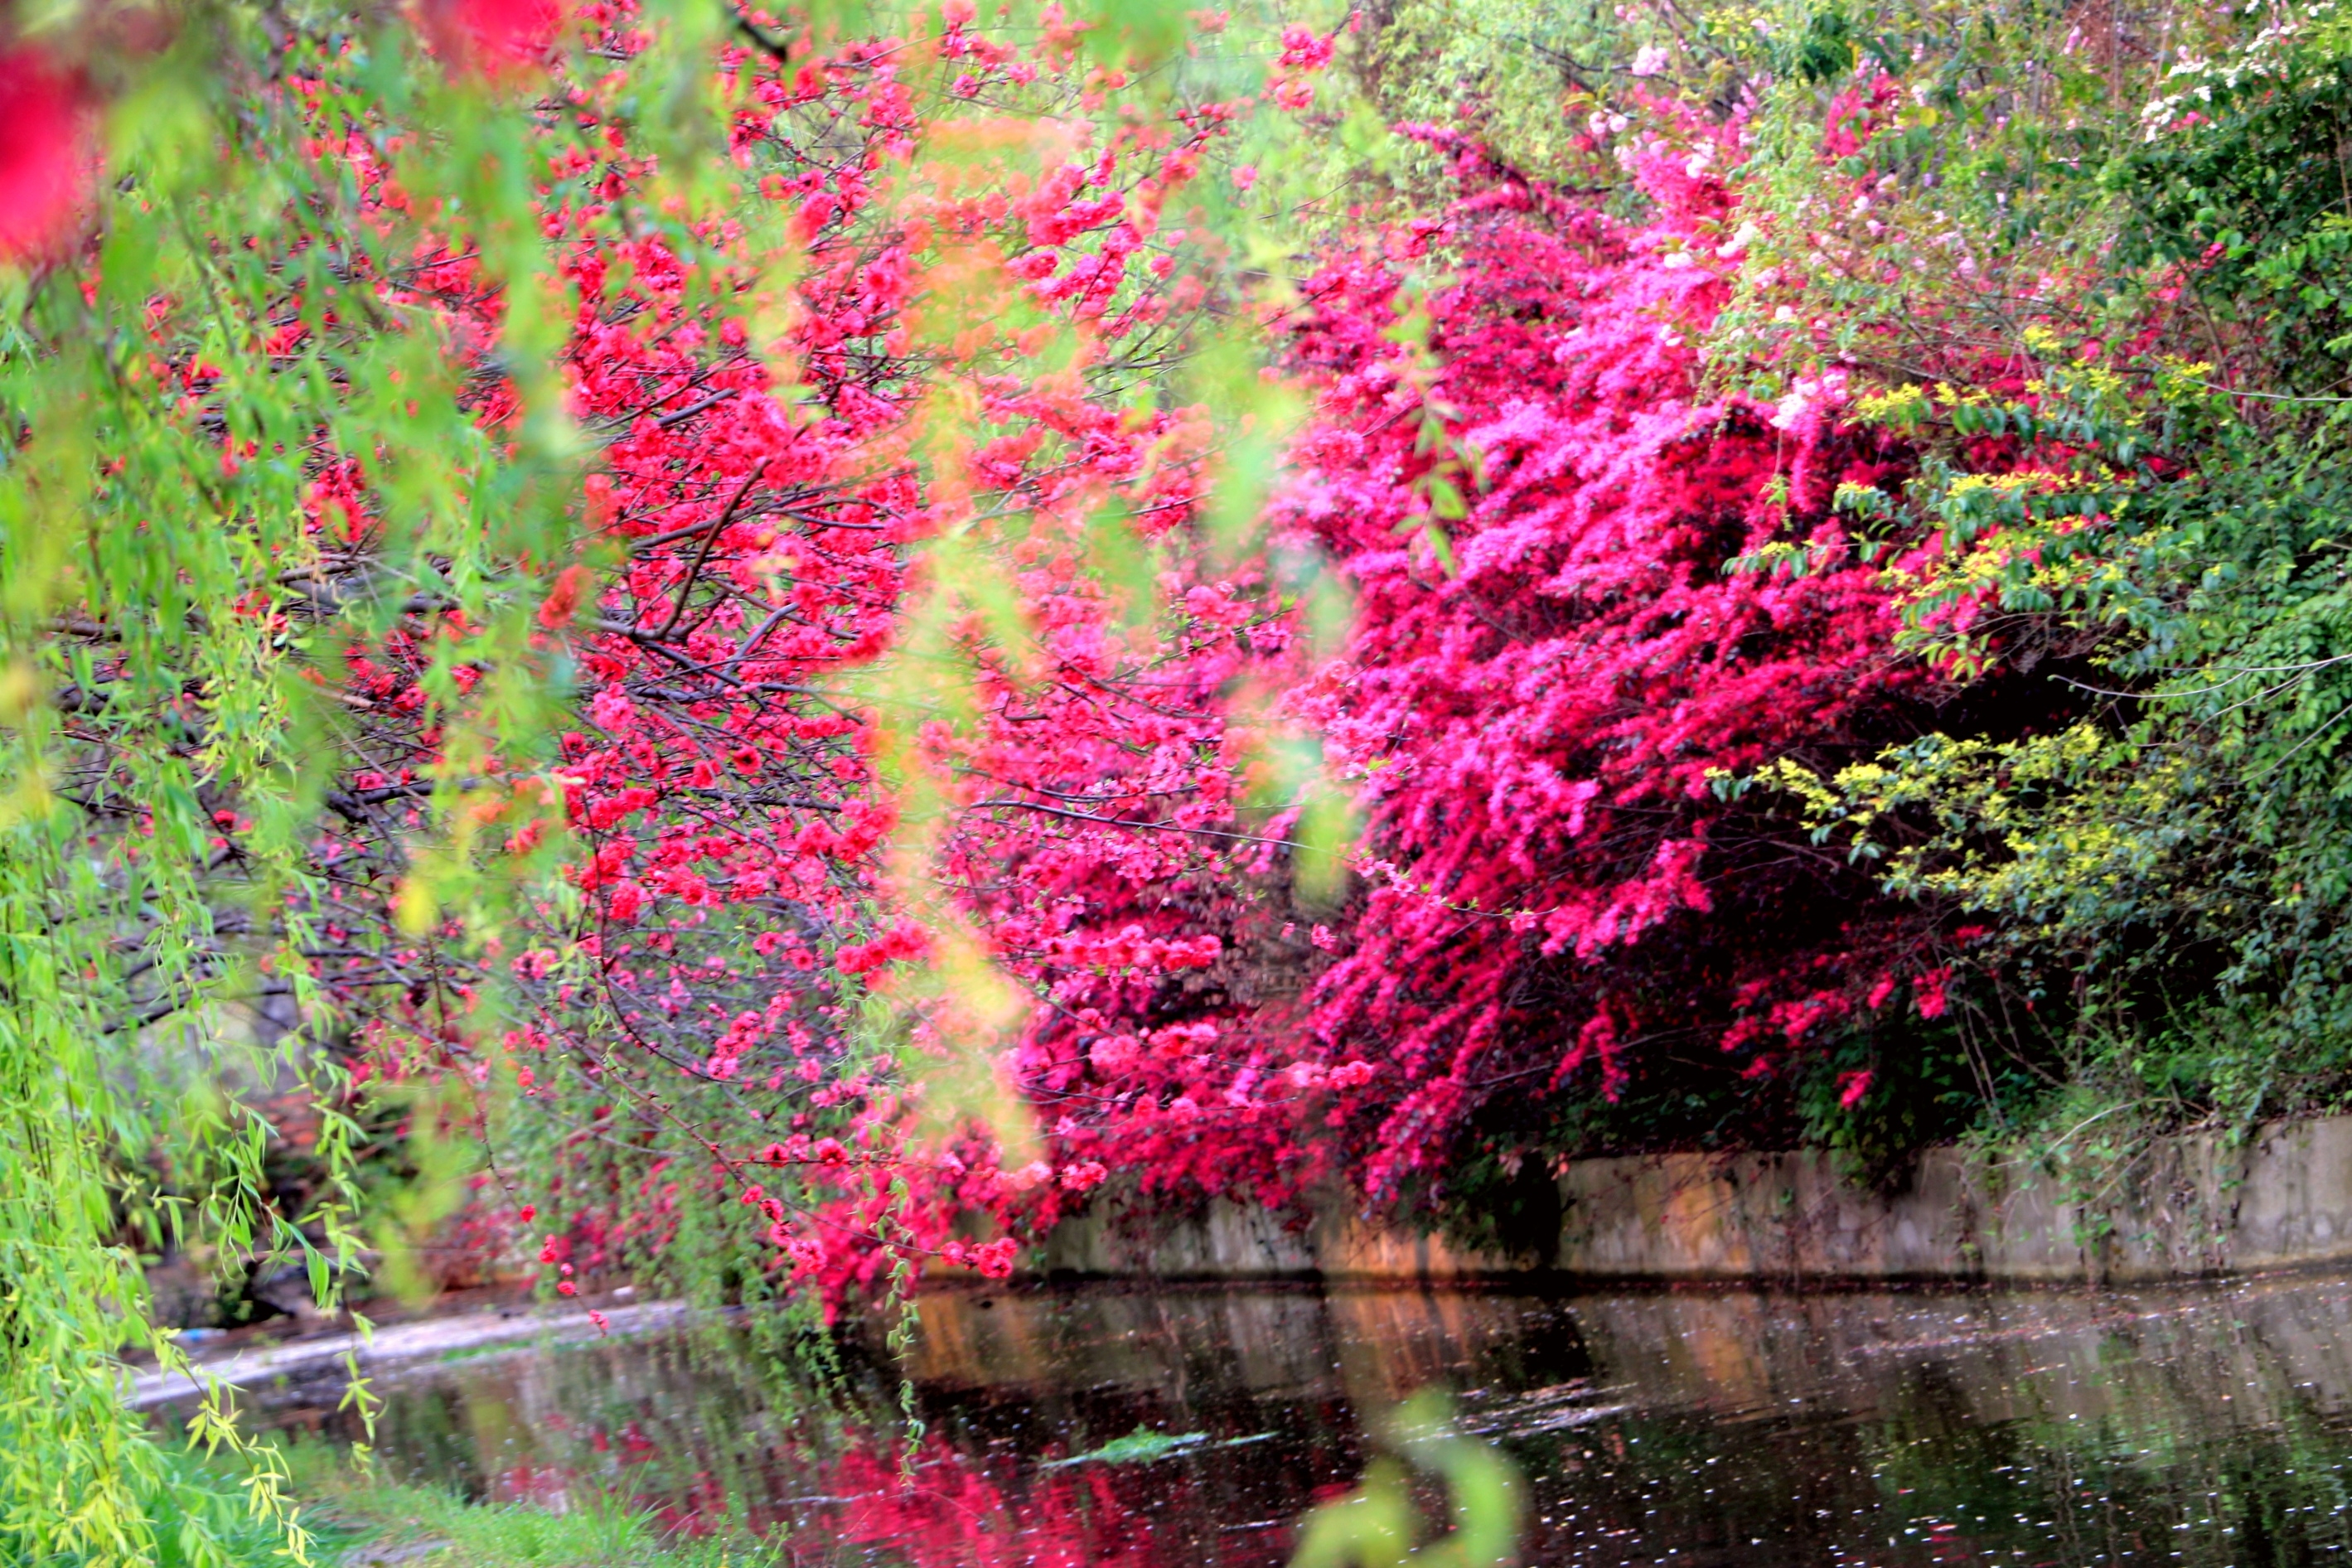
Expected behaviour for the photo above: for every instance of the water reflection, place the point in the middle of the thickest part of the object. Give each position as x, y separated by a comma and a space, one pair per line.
2204, 1426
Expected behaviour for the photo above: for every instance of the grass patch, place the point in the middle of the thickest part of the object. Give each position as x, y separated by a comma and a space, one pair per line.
364, 1518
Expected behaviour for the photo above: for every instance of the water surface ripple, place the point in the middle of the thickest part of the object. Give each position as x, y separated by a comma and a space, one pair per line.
2204, 1425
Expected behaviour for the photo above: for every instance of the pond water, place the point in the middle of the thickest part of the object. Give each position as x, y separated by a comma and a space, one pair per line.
2205, 1426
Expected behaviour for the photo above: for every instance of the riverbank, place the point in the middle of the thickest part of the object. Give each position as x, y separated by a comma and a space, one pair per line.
2186, 1206
517, 1326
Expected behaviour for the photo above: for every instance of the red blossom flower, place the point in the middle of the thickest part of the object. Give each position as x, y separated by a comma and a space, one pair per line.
490, 37
46, 156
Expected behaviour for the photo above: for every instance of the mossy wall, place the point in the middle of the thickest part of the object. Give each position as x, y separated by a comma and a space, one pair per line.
2194, 1204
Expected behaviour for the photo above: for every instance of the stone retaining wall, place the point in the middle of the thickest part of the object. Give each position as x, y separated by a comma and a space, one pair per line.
2194, 1205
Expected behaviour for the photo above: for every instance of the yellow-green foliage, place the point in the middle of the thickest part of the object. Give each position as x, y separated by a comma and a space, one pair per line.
2051, 833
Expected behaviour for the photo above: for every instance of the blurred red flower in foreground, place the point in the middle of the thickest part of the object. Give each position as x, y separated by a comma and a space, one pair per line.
44, 155
490, 37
